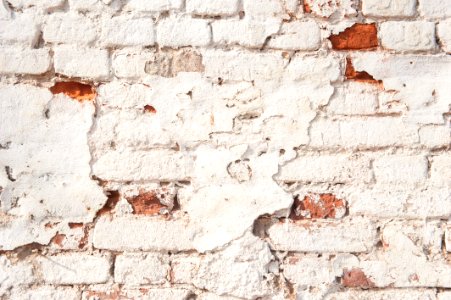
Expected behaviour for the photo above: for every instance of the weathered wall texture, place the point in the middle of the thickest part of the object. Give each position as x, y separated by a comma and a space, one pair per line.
225, 149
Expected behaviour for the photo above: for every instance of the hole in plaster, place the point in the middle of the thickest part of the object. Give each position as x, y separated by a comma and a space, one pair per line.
358, 36
150, 109
75, 90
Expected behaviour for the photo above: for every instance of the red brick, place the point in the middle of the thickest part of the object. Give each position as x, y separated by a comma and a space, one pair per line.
356, 37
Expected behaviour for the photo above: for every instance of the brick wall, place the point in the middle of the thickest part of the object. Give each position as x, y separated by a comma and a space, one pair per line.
225, 149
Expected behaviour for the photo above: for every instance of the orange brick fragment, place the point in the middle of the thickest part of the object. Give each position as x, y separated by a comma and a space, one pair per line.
307, 8
356, 278
76, 90
317, 206
356, 37
146, 203
58, 239
362, 76
150, 109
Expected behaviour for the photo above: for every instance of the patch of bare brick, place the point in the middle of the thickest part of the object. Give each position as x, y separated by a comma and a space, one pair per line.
355, 278
146, 203
150, 109
58, 239
110, 204
317, 206
168, 63
356, 37
361, 76
307, 8
76, 90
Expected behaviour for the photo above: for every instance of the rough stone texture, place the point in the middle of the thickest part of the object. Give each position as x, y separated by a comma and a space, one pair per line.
225, 149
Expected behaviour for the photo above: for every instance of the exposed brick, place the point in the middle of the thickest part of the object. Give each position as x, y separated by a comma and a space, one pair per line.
76, 90
356, 37
360, 76
314, 206
356, 278
146, 203
170, 63
225, 149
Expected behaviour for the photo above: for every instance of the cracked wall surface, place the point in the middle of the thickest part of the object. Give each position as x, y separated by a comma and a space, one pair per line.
225, 149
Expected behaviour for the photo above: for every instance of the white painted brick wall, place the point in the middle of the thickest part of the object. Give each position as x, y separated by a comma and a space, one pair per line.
326, 168
140, 269
435, 8
405, 169
14, 60
69, 29
225, 149
178, 32
444, 35
74, 268
82, 63
154, 6
301, 35
356, 235
213, 7
389, 8
123, 31
142, 234
408, 36
27, 35
247, 32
